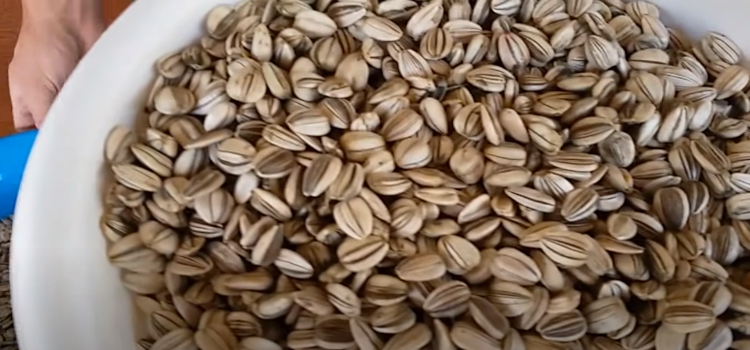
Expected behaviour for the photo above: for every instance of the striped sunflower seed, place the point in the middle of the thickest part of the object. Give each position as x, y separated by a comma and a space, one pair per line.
458, 253
567, 249
421, 267
384, 290
562, 327
320, 175
467, 336
488, 317
512, 265
359, 255
511, 299
688, 316
354, 217
413, 338
448, 300
605, 315
532, 199
314, 24
273, 162
579, 204
393, 319
364, 336
137, 178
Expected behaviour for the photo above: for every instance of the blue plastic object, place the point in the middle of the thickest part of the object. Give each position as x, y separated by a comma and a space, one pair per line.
14, 152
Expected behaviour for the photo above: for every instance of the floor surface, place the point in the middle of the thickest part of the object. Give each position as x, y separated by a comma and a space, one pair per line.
10, 21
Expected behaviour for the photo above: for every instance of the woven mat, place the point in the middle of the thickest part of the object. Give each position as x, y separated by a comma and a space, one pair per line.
7, 333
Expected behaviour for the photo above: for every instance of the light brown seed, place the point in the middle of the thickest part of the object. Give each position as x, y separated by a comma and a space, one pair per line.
344, 299
179, 338
513, 51
412, 153
137, 178
309, 122
314, 24
359, 255
349, 182
488, 317
661, 262
562, 327
259, 343
383, 290
439, 196
621, 227
393, 319
358, 145
579, 204
401, 125
448, 300
467, 336
269, 204
512, 265
346, 13
268, 247
731, 81
388, 183
424, 20
688, 316
436, 44
568, 249
363, 335
511, 299
601, 52
531, 198
718, 336
333, 331
379, 28
314, 300
273, 162
421, 267
320, 175
545, 137
606, 315
459, 254
489, 78
354, 217
669, 340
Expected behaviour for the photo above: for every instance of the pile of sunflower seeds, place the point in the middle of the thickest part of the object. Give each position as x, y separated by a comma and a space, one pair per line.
408, 175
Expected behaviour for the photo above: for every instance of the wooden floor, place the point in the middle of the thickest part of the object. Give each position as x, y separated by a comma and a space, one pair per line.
10, 20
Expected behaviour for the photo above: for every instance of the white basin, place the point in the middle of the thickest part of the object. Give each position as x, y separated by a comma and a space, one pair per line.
65, 294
